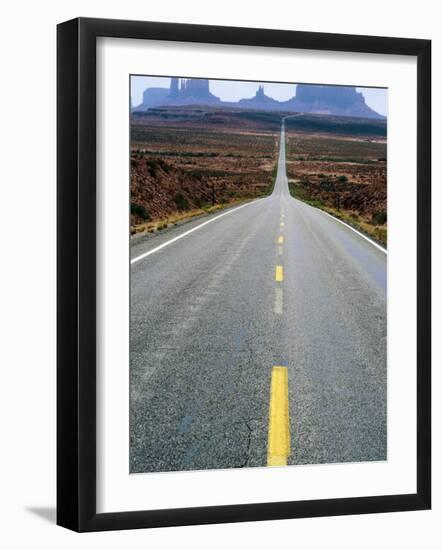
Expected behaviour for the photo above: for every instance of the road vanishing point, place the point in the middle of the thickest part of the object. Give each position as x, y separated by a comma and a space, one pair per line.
258, 338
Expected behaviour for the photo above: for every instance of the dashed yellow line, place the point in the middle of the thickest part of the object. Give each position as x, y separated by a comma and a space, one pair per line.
278, 448
282, 224
280, 239
279, 274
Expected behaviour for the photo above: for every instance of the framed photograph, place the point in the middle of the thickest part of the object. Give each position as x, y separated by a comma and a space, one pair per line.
243, 274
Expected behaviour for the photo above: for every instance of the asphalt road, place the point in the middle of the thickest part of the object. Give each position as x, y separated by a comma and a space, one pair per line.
209, 321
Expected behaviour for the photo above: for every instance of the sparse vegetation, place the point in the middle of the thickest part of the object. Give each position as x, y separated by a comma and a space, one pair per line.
185, 162
349, 126
139, 210
379, 233
342, 174
379, 218
179, 169
181, 202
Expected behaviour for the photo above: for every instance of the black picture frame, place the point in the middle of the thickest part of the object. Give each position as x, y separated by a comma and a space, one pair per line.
76, 274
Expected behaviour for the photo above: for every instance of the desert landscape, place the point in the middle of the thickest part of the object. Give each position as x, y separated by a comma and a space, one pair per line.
343, 174
187, 161
258, 328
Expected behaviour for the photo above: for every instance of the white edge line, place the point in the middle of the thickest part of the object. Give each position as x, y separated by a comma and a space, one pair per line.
379, 247
167, 243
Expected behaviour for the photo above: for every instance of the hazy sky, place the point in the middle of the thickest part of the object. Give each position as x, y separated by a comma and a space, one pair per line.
229, 90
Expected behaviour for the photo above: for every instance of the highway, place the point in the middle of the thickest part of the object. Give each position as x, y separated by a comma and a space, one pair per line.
258, 338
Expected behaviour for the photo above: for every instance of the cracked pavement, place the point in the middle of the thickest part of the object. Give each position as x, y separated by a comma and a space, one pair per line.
204, 338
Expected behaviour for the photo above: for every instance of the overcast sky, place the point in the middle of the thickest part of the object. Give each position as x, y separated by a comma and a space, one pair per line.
230, 90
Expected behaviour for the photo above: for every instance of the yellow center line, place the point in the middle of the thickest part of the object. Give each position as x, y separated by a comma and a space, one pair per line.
280, 239
279, 274
278, 449
282, 224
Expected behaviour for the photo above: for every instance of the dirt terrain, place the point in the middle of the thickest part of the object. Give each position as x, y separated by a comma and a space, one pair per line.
191, 159
345, 175
178, 170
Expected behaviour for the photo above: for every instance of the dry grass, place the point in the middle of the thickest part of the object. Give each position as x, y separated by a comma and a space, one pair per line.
378, 232
180, 217
345, 176
177, 173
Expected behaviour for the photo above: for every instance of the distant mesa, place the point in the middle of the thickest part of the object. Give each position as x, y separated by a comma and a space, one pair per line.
151, 98
309, 98
261, 101
331, 100
186, 91
182, 91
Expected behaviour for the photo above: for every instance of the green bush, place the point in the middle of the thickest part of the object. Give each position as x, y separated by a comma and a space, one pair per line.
139, 210
380, 217
181, 201
343, 179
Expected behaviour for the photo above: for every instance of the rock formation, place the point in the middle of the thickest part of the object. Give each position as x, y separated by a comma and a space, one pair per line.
174, 88
330, 100
189, 91
309, 98
260, 101
152, 97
